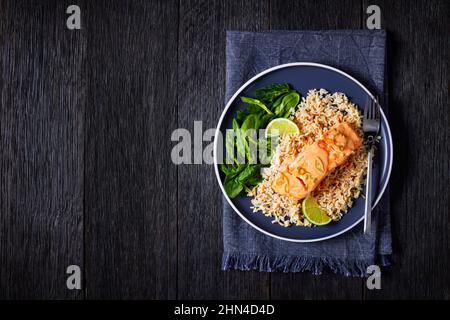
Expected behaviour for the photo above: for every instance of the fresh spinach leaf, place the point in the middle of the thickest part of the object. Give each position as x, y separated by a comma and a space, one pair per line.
286, 103
269, 93
265, 119
233, 187
253, 180
252, 109
231, 170
240, 141
257, 103
252, 148
230, 141
251, 122
225, 168
248, 172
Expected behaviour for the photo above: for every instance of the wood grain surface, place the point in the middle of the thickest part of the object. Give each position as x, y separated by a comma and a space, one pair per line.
86, 118
43, 98
130, 184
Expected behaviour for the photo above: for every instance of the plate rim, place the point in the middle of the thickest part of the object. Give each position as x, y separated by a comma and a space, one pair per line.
228, 105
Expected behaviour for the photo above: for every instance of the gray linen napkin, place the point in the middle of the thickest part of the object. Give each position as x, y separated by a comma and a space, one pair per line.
361, 53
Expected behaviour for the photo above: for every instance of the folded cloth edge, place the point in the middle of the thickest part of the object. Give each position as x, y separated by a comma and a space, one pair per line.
285, 264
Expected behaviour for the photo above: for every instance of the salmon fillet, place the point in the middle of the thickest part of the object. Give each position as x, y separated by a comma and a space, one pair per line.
301, 176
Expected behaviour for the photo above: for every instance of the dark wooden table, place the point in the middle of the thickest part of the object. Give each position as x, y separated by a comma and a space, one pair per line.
86, 176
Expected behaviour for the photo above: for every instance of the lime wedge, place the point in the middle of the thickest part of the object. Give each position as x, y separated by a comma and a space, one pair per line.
281, 126
314, 213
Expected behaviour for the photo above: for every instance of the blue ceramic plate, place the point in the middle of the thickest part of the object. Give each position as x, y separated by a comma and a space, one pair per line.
303, 76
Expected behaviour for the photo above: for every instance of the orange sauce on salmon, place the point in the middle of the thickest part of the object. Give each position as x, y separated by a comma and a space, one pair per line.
301, 176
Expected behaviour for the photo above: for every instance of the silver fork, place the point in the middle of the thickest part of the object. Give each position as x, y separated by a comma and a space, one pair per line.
371, 126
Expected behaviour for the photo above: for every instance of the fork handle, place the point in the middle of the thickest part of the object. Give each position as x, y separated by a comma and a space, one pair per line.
368, 202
